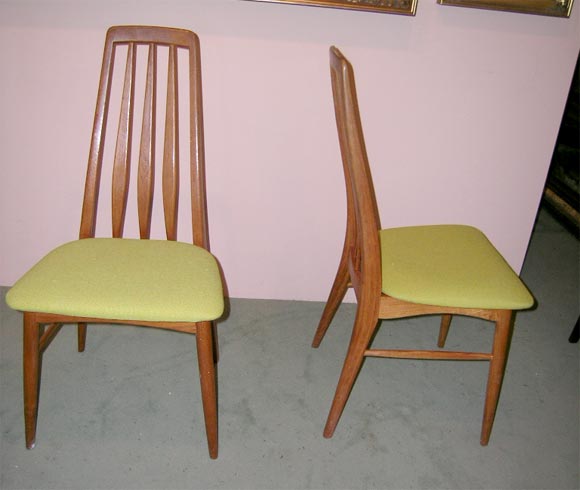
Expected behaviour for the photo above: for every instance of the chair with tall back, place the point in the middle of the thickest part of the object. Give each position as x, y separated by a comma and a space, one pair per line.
161, 283
410, 271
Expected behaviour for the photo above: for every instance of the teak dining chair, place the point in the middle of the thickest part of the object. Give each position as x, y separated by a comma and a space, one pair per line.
417, 270
155, 283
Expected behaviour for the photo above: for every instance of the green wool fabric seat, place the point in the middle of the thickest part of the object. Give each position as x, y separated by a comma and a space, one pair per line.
123, 279
449, 265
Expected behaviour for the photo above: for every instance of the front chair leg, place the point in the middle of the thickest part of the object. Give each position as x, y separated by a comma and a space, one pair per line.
364, 327
31, 365
205, 357
501, 340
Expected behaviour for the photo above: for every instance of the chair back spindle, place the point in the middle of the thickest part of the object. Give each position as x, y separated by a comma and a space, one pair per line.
146, 172
122, 163
171, 149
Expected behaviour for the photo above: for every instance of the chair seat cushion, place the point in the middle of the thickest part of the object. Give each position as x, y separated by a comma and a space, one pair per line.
124, 279
448, 265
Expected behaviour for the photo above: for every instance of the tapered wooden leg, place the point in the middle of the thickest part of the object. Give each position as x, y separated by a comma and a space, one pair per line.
497, 364
365, 324
443, 330
205, 348
82, 336
337, 292
31, 365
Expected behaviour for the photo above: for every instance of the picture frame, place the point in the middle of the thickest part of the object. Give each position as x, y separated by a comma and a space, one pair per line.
403, 7
553, 8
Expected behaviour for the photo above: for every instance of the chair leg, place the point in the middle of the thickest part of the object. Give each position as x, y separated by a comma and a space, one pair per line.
443, 330
82, 336
365, 324
31, 365
497, 365
205, 349
337, 292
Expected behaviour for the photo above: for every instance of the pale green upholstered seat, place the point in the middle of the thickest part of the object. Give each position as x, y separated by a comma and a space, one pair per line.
124, 279
448, 265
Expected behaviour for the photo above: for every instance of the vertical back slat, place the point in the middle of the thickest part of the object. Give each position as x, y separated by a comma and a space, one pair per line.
171, 150
197, 156
146, 174
95, 163
122, 164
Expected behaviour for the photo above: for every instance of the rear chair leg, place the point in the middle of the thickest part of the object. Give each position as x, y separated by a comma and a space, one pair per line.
82, 336
443, 330
364, 327
31, 364
337, 292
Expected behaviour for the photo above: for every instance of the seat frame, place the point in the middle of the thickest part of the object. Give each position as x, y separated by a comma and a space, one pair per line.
360, 268
41, 328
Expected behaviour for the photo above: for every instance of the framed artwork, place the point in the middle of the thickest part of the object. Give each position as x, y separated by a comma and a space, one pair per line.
554, 8
405, 7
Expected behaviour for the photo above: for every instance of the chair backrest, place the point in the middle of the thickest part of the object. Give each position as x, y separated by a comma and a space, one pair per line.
363, 222
149, 40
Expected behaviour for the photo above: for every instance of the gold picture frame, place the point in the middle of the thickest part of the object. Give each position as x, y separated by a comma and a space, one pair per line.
553, 8
403, 7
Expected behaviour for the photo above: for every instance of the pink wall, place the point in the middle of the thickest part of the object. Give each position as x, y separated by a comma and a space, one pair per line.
461, 109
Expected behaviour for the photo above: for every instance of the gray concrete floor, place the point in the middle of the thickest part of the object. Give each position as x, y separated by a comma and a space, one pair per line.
127, 412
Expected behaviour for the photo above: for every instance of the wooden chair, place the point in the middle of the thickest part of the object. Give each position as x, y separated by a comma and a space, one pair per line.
155, 283
410, 271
